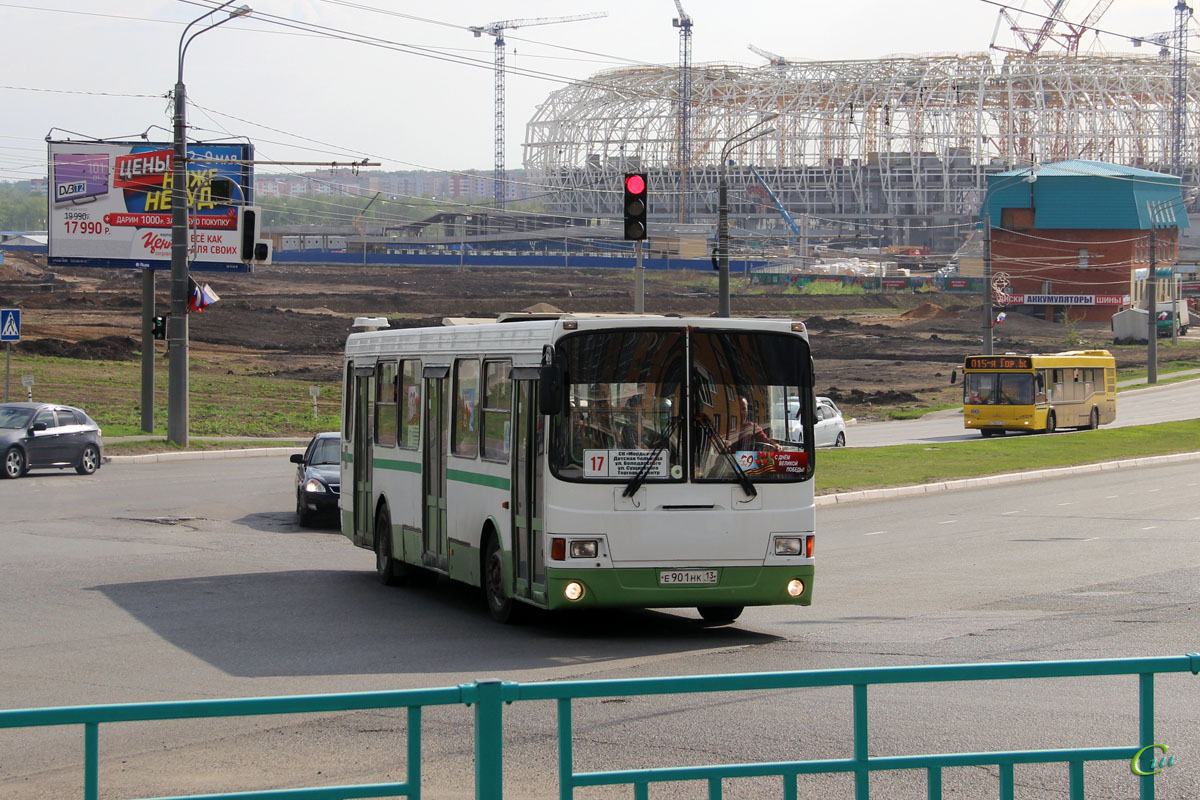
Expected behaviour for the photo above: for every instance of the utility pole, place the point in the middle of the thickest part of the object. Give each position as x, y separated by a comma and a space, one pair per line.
1152, 310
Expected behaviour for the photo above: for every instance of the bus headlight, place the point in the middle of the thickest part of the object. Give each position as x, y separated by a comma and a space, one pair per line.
788, 545
795, 587
573, 591
584, 548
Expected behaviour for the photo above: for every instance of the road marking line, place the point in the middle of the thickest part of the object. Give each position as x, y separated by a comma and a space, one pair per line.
1006, 513
1066, 504
1112, 497
874, 533
1092, 539
1152, 491
948, 522
1150, 528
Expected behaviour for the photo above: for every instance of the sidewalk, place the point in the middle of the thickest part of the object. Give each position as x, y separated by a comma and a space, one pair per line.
1161, 376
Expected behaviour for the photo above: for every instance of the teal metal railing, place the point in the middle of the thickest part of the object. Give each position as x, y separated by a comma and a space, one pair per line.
489, 697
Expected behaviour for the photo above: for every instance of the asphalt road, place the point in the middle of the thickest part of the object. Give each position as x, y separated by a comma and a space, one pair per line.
1134, 407
189, 579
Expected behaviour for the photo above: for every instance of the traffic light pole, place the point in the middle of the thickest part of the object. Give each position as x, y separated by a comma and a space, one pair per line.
148, 350
639, 283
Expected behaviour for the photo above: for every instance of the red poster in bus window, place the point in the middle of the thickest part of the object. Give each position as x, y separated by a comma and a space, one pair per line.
790, 460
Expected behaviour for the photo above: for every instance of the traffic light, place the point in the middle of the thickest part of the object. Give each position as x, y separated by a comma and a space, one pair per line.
253, 249
635, 205
159, 327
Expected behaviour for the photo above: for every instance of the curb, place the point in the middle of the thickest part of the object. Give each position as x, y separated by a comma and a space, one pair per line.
202, 455
997, 480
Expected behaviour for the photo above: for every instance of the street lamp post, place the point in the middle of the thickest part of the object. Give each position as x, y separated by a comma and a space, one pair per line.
988, 309
177, 323
723, 212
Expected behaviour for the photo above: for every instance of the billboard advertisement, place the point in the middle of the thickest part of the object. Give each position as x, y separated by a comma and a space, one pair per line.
110, 204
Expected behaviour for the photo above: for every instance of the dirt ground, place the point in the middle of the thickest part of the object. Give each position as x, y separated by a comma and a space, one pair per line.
872, 352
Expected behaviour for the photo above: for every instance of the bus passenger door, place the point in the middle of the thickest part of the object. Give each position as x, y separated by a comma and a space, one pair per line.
527, 502
364, 384
433, 468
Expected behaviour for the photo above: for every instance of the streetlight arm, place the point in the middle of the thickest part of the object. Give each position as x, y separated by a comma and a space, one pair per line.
185, 40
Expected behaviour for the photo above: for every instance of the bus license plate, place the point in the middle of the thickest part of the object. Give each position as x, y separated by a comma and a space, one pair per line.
675, 576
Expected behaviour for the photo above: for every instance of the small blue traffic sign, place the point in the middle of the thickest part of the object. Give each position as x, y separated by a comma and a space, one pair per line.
10, 324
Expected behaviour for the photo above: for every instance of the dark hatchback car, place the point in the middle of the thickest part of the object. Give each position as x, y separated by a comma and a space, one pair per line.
318, 477
42, 435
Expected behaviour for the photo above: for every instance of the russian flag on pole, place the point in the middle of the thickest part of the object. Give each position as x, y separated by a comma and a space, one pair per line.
200, 297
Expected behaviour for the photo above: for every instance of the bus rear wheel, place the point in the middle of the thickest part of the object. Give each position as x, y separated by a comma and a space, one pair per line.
720, 615
1051, 423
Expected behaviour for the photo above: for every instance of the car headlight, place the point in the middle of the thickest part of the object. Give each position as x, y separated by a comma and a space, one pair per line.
314, 486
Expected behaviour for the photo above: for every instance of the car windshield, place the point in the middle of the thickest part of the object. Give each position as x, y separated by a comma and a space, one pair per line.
14, 417
326, 451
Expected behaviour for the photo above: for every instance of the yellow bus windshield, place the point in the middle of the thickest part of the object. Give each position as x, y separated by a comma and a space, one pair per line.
998, 389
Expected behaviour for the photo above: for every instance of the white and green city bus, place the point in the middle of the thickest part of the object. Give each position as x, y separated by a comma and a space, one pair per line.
578, 461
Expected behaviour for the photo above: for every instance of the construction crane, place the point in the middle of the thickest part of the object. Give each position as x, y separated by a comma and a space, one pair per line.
363, 213
684, 23
1034, 39
783, 212
774, 59
497, 29
1176, 40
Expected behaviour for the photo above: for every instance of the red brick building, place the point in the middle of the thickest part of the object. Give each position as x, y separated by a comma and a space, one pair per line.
1065, 236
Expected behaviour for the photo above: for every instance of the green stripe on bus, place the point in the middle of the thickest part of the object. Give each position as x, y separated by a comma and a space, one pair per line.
479, 480
399, 466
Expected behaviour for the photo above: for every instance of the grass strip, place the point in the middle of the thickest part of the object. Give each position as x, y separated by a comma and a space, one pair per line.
846, 470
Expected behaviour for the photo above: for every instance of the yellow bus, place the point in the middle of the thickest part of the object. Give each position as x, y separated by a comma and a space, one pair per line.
1076, 389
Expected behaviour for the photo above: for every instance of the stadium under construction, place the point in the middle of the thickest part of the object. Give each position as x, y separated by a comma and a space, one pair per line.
896, 150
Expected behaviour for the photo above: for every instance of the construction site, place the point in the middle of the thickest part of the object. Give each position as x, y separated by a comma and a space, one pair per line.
893, 151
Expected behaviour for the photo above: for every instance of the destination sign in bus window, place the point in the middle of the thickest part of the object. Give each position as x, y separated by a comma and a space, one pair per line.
999, 362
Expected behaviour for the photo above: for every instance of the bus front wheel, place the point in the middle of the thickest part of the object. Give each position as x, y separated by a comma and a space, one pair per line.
1094, 419
502, 607
720, 615
1050, 423
389, 570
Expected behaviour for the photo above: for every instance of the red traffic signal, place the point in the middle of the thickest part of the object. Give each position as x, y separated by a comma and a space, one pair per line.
635, 206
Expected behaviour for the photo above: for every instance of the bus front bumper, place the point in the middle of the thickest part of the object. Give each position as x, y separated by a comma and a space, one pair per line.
640, 588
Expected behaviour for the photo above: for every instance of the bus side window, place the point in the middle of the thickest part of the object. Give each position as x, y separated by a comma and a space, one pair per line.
410, 404
497, 410
466, 404
385, 403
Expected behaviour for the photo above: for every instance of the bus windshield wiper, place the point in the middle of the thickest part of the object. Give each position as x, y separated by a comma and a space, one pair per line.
743, 479
644, 471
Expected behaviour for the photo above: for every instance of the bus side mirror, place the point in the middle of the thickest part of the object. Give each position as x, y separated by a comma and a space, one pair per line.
550, 389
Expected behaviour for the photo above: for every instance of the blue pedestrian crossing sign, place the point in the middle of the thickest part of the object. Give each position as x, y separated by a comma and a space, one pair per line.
10, 324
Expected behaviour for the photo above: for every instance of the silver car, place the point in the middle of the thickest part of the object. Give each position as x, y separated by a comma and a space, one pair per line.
45, 435
829, 428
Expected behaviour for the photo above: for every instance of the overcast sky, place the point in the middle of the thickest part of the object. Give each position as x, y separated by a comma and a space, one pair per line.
425, 99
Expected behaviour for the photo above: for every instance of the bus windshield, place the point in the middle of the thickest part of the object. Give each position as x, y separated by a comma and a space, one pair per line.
998, 389
743, 396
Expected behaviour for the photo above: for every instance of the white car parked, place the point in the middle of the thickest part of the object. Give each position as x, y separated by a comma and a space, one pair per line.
829, 428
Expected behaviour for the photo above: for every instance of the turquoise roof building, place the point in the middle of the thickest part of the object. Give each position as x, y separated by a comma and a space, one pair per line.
1078, 195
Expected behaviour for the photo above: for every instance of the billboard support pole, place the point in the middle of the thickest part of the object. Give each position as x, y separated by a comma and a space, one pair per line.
148, 350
